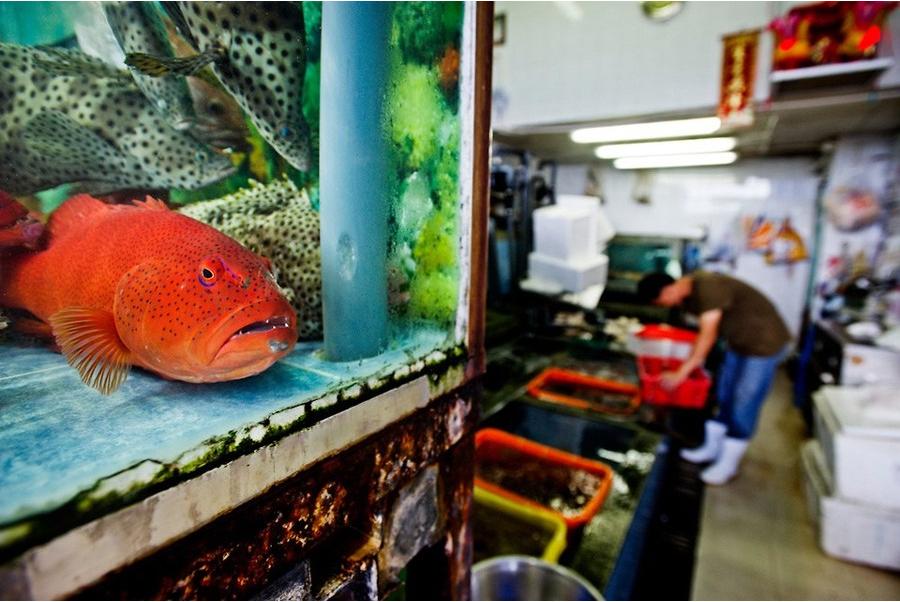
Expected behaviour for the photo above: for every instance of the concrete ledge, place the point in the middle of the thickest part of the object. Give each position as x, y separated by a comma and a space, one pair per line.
60, 567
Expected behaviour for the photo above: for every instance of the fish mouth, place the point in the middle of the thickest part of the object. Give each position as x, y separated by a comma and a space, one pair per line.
250, 347
219, 137
260, 326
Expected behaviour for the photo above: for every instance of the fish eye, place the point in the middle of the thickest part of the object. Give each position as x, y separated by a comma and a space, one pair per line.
284, 132
208, 273
216, 108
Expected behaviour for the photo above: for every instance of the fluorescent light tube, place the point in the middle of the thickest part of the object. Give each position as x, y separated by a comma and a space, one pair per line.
675, 160
670, 147
679, 128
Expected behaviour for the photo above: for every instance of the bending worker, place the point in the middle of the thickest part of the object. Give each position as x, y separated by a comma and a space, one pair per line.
756, 339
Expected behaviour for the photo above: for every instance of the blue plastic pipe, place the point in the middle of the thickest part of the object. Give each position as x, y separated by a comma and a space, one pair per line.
353, 172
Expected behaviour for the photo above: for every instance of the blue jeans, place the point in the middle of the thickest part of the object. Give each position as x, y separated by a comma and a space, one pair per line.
743, 384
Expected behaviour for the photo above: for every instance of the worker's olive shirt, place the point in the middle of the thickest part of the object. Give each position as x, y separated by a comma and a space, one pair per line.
750, 324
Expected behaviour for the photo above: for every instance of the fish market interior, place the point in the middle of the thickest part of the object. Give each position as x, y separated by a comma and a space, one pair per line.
549, 300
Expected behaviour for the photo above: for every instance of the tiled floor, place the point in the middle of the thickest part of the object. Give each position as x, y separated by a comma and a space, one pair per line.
756, 539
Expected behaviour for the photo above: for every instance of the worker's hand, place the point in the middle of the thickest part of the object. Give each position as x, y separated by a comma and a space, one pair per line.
671, 380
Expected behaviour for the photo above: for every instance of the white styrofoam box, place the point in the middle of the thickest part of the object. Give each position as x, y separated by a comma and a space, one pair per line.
573, 276
816, 479
861, 444
565, 233
860, 533
847, 529
602, 226
866, 411
588, 298
868, 364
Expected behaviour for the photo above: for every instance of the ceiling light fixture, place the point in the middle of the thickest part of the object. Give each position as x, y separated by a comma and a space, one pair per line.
660, 161
678, 128
670, 147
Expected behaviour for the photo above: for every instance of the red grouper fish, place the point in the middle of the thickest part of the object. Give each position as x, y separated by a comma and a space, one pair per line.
123, 285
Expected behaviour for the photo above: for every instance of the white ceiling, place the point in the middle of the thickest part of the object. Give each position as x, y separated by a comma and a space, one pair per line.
796, 126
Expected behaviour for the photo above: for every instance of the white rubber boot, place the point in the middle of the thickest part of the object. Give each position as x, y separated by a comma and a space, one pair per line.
726, 467
712, 444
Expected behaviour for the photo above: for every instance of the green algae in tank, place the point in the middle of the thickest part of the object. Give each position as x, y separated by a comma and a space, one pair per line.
424, 127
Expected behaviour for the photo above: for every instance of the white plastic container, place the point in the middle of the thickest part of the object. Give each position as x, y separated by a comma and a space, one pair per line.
574, 275
859, 430
860, 533
849, 530
602, 226
565, 233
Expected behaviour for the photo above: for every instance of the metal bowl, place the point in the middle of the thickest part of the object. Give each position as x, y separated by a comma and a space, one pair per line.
528, 578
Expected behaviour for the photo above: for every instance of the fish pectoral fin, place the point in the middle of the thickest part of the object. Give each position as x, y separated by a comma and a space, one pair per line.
68, 62
52, 149
55, 134
89, 341
31, 327
157, 66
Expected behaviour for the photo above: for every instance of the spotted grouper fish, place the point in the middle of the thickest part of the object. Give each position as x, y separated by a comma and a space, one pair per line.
140, 285
258, 52
66, 118
138, 27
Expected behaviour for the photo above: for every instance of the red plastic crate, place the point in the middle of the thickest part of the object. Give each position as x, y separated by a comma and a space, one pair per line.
540, 464
662, 340
542, 387
691, 393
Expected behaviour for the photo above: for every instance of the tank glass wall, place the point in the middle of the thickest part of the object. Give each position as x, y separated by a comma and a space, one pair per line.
250, 133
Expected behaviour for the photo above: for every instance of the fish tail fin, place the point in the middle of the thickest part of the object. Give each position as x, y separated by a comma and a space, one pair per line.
17, 226
11, 210
156, 66
91, 344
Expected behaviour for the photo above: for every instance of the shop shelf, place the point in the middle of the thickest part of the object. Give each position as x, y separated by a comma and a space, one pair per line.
503, 526
539, 476
584, 392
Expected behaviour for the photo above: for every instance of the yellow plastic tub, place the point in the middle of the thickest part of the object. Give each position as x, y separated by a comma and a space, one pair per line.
547, 522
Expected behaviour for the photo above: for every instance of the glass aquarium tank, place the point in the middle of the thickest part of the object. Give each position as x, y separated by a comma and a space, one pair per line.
219, 223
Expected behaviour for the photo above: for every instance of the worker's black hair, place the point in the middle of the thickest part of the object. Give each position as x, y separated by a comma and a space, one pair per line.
651, 285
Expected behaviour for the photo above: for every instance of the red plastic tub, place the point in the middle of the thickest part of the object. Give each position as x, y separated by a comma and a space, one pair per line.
585, 392
662, 340
689, 394
540, 476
